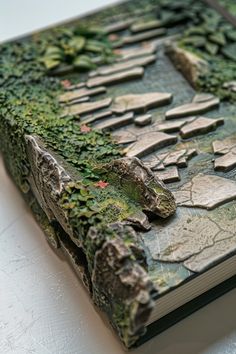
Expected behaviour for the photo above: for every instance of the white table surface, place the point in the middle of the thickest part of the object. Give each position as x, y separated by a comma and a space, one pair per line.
43, 307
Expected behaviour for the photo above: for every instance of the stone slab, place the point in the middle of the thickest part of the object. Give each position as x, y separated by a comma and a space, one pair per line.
199, 126
117, 122
150, 142
193, 108
84, 108
126, 75
141, 121
226, 162
144, 36
145, 26
125, 65
144, 49
206, 192
94, 117
169, 175
83, 92
140, 102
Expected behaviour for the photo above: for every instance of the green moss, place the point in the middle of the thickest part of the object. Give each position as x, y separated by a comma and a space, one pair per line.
230, 5
81, 208
213, 39
121, 316
113, 209
29, 105
29, 101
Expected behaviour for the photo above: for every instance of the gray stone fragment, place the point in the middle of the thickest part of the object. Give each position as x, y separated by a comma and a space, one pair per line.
226, 162
206, 191
123, 282
193, 108
131, 74
117, 122
145, 49
145, 26
182, 162
230, 85
143, 120
83, 92
172, 126
124, 137
118, 26
224, 146
125, 65
203, 97
188, 63
75, 86
144, 36
132, 239
84, 108
95, 117
201, 125
77, 101
140, 102
140, 184
48, 180
227, 148
169, 175
160, 167
149, 142
139, 220
177, 157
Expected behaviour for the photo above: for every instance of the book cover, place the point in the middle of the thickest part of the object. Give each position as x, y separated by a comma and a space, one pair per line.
119, 129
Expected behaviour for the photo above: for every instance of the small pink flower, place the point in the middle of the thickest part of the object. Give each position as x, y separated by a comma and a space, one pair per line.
85, 129
66, 83
113, 37
101, 184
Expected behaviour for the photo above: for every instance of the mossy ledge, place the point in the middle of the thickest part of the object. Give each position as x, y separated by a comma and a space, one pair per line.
54, 164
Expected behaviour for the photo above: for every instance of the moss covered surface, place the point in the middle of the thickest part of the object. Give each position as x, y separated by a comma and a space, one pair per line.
29, 106
29, 91
213, 39
230, 5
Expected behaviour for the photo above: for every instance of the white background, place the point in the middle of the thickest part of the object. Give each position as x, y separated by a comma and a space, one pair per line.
43, 307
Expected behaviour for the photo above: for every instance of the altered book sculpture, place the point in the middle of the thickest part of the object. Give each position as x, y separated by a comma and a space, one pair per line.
120, 130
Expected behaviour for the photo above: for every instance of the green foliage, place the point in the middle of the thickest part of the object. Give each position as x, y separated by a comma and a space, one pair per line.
81, 208
29, 98
29, 105
230, 5
211, 36
219, 73
214, 40
80, 48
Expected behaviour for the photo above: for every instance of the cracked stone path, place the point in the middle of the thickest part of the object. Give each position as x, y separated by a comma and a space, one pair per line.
206, 192
198, 238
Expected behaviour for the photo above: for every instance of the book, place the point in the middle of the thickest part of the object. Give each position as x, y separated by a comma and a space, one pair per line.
119, 130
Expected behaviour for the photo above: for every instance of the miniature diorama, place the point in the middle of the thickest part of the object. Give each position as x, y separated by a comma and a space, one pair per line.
119, 129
